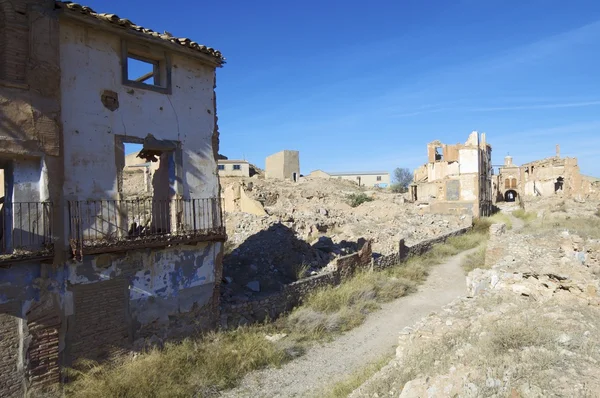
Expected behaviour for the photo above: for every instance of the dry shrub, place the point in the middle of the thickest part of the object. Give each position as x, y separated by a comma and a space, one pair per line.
190, 368
525, 215
336, 309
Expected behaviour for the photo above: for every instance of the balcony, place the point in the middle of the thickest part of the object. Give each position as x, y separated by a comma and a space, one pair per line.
100, 226
27, 231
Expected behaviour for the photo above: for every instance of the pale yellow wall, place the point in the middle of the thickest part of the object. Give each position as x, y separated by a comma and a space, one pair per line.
319, 174
283, 165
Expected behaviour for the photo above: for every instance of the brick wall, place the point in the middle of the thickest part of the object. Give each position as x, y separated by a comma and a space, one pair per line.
100, 326
43, 368
11, 380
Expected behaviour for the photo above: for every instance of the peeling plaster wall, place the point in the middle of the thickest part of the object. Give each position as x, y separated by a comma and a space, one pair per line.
91, 63
162, 283
469, 160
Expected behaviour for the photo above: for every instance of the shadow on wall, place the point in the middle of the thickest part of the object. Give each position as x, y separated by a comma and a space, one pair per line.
273, 257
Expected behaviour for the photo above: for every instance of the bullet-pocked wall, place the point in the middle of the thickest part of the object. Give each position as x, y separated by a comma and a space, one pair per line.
91, 64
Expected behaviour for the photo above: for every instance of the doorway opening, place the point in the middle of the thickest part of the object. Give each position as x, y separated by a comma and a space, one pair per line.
510, 195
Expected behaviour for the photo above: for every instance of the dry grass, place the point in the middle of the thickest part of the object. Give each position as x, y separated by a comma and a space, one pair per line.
526, 344
344, 387
525, 215
501, 218
191, 368
203, 366
336, 309
584, 227
475, 260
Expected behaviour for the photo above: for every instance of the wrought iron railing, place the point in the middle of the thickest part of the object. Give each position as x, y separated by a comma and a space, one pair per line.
96, 224
26, 229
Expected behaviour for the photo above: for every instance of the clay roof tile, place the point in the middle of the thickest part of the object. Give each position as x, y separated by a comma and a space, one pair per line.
126, 23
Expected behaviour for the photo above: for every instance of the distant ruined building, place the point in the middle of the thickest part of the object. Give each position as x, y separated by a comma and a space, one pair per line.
547, 177
457, 179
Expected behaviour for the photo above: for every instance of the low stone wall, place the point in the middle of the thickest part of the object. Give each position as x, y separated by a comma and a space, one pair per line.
275, 304
405, 252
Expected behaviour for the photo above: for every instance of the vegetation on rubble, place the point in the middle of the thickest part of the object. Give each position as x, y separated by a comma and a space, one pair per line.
356, 199
344, 387
584, 227
216, 361
521, 346
525, 215
198, 367
475, 260
336, 309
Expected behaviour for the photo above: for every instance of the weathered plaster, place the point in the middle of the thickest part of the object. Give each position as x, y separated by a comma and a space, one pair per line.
89, 127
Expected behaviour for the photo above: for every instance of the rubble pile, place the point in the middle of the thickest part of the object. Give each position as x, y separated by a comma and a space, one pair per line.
309, 223
528, 328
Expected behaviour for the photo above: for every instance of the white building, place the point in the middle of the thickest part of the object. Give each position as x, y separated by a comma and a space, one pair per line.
234, 168
379, 179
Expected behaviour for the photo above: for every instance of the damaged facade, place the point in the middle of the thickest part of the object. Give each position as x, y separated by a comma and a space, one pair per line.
89, 266
551, 176
456, 178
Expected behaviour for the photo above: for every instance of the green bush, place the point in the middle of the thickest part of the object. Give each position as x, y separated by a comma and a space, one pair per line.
356, 199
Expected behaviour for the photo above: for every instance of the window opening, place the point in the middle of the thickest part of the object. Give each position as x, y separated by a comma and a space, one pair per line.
558, 185
221, 167
143, 70
378, 178
439, 153
237, 167
145, 67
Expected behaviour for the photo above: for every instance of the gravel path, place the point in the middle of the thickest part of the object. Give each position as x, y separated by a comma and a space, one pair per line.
325, 364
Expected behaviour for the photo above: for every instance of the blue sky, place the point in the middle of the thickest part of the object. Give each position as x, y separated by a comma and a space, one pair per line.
357, 85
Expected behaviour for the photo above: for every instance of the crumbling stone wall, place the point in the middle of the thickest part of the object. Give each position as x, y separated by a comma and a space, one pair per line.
405, 252
273, 305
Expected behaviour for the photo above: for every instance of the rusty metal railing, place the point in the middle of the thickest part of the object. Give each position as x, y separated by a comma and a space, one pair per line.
97, 224
26, 229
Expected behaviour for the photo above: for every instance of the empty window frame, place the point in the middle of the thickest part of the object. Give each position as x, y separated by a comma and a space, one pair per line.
237, 167
145, 67
378, 178
221, 167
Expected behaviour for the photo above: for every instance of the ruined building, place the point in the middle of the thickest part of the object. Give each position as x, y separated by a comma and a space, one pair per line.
86, 270
456, 178
284, 165
546, 177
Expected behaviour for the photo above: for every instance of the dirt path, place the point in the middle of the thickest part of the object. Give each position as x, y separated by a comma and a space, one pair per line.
325, 364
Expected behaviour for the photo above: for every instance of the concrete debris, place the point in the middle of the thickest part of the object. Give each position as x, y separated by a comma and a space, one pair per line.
254, 286
276, 337
308, 224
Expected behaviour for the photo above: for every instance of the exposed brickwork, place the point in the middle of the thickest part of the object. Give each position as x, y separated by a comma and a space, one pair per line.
100, 326
43, 369
11, 380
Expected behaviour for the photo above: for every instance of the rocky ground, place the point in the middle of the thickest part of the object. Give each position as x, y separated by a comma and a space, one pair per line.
529, 326
309, 223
